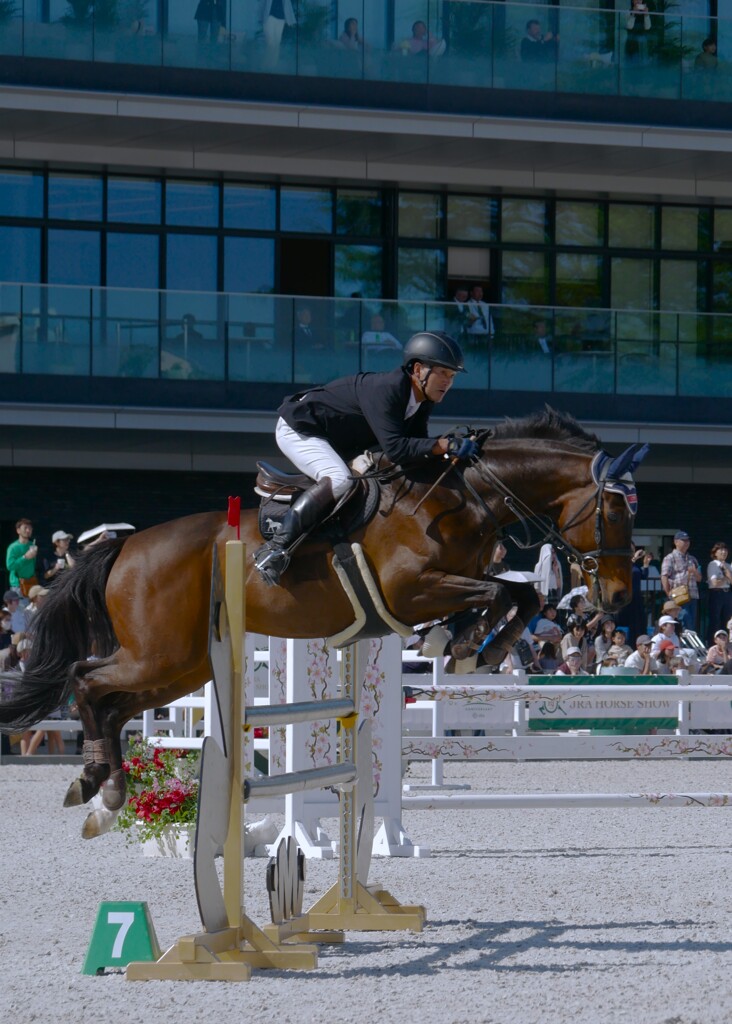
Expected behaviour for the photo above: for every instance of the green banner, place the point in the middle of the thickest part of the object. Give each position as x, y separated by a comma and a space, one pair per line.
561, 714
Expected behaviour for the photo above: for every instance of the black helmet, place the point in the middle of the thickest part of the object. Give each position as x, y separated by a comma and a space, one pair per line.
576, 620
434, 348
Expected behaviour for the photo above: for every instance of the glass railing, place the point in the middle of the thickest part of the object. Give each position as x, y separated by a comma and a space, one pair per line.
479, 44
201, 336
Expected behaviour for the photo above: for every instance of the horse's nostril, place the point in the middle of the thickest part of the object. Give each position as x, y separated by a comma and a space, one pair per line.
620, 597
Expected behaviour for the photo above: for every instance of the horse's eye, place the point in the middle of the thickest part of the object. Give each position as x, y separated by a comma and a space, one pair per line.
613, 517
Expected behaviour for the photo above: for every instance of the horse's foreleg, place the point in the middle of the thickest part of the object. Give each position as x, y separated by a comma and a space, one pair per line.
439, 595
524, 598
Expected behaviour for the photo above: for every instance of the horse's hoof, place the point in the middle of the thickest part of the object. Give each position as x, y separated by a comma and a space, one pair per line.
75, 794
98, 822
114, 792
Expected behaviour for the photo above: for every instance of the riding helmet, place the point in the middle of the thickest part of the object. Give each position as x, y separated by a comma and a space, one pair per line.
434, 348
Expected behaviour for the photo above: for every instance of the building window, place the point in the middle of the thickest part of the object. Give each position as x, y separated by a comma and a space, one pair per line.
191, 263
579, 223
249, 265
250, 207
73, 257
358, 212
525, 278
358, 271
20, 254
134, 200
631, 226
21, 194
132, 260
631, 283
74, 197
523, 220
421, 273
420, 215
578, 280
192, 204
470, 218
684, 227
306, 210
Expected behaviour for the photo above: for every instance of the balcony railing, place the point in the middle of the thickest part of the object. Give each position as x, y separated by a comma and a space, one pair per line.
193, 336
480, 45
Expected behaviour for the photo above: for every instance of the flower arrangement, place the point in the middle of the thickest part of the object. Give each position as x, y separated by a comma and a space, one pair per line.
162, 790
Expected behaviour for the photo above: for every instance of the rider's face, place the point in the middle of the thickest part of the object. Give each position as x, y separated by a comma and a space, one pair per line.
438, 382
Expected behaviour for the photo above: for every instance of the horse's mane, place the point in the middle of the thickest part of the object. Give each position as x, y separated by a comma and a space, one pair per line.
547, 425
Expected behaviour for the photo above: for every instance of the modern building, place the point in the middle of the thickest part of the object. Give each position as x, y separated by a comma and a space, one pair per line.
198, 217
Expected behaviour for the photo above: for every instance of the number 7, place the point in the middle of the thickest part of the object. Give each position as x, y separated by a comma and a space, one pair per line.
125, 920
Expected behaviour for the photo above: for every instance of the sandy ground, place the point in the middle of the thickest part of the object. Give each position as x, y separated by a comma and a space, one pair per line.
534, 917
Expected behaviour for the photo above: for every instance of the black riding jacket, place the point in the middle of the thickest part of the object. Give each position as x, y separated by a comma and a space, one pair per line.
365, 411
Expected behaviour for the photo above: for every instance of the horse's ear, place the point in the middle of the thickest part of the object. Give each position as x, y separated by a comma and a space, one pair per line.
627, 462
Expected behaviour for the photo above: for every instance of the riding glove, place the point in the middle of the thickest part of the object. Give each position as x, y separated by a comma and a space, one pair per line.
462, 448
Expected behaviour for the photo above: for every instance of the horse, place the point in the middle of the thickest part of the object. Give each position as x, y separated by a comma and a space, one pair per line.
127, 628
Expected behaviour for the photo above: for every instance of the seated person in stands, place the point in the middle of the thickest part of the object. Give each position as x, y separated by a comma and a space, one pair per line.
546, 627
350, 38
607, 665
378, 339
641, 661
421, 41
666, 631
620, 648
604, 638
669, 660
548, 660
572, 665
721, 651
576, 639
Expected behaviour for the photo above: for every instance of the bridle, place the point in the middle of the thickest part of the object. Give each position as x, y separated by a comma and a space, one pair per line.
588, 561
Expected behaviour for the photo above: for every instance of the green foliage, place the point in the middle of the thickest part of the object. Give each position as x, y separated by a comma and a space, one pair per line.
313, 21
162, 790
8, 10
469, 28
102, 13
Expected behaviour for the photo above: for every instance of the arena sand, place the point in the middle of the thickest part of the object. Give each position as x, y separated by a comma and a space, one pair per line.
534, 917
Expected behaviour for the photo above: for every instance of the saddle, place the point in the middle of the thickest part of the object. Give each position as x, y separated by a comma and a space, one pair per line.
278, 489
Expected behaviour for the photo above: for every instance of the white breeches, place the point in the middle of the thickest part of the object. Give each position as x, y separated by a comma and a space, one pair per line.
313, 456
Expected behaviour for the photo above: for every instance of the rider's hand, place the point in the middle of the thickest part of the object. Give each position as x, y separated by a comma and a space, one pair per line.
462, 448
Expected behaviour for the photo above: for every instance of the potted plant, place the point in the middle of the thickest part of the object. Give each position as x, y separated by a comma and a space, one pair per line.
162, 801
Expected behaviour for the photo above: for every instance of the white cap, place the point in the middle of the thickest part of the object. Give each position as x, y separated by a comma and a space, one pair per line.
61, 535
665, 619
573, 650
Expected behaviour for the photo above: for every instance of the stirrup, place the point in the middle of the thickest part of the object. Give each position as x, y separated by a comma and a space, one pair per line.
270, 562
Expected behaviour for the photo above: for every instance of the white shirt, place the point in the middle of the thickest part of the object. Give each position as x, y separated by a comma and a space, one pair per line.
635, 661
483, 323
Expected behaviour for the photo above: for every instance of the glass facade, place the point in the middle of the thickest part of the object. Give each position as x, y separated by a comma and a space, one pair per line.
587, 48
261, 238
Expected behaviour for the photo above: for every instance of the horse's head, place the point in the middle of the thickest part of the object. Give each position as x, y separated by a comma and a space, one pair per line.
597, 526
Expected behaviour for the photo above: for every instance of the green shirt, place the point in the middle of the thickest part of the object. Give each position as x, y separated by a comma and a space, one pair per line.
19, 567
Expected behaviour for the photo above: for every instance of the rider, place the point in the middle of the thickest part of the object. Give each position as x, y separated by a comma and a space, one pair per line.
321, 428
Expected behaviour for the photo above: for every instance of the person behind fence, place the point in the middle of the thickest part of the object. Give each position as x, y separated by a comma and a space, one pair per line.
641, 661
20, 558
721, 650
680, 578
319, 429
572, 664
719, 580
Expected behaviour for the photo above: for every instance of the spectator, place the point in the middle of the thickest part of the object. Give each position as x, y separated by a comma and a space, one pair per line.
498, 563
349, 37
421, 41
6, 630
275, 15
20, 559
639, 26
607, 665
619, 648
9, 655
538, 47
633, 616
604, 638
721, 650
550, 571
545, 626
60, 559
37, 596
18, 621
458, 314
719, 579
542, 337
668, 658
580, 607
572, 665
666, 631
378, 339
305, 338
641, 661
679, 573
210, 17
548, 660
480, 322
707, 60
576, 639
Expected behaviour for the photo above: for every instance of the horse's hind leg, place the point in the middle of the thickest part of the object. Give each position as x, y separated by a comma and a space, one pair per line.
94, 751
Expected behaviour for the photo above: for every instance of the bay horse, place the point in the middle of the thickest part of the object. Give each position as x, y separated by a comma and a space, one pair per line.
127, 628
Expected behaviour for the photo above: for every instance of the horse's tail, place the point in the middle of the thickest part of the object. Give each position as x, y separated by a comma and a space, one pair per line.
72, 624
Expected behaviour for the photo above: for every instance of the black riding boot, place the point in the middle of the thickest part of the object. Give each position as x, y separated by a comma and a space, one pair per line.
306, 511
